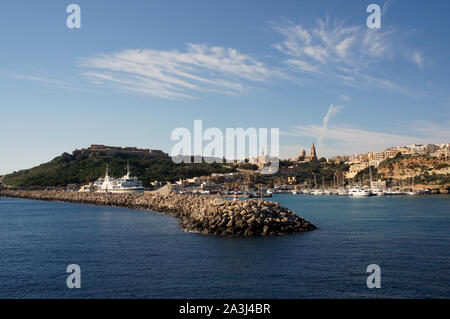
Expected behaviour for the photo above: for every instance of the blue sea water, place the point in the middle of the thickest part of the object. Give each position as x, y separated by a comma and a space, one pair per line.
139, 254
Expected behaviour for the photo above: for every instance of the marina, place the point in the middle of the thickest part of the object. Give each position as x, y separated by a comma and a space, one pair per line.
359, 192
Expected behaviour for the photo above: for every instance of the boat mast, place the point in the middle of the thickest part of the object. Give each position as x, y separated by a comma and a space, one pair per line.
107, 178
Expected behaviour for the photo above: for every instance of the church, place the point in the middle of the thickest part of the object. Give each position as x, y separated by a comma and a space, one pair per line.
307, 158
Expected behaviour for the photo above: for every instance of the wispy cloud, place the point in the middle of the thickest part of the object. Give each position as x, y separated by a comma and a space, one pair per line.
174, 74
418, 59
385, 8
343, 53
36, 79
346, 140
332, 110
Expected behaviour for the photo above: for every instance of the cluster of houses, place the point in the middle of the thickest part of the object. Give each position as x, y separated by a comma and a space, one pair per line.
375, 158
360, 162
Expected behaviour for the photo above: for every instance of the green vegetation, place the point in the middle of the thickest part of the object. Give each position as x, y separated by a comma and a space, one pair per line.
397, 158
85, 166
248, 166
439, 179
364, 175
441, 166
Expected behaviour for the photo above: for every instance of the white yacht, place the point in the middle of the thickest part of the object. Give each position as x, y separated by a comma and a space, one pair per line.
396, 192
378, 192
318, 192
125, 184
358, 192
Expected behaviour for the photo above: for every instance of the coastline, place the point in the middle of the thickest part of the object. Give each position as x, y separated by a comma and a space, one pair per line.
208, 215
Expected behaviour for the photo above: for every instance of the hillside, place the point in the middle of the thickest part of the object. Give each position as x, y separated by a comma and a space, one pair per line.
424, 169
84, 166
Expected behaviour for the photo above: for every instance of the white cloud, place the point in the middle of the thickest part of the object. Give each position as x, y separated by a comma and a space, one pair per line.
331, 43
346, 140
302, 65
417, 58
174, 74
343, 48
39, 79
433, 129
385, 8
332, 110
342, 140
335, 51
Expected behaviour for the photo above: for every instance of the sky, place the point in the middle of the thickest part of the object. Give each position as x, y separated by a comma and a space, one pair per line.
136, 70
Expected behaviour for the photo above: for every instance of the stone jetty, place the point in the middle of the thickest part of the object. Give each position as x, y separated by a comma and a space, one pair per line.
209, 215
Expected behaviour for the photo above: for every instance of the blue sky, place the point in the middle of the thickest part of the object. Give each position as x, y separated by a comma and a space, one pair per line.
136, 70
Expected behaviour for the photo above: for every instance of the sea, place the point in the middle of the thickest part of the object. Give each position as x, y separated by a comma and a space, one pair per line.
125, 253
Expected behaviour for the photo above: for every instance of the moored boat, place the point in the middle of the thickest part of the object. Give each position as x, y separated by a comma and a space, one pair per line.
378, 192
108, 184
359, 192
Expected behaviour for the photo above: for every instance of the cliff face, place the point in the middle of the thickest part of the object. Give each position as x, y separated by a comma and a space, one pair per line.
406, 167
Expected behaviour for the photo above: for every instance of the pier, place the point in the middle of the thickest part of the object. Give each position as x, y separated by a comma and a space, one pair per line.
209, 215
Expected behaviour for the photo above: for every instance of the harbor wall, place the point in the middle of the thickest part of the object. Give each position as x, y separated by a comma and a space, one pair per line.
209, 215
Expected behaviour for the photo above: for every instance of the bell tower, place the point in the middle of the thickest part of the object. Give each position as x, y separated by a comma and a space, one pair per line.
313, 152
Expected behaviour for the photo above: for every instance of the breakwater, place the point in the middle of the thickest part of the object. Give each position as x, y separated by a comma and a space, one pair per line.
209, 215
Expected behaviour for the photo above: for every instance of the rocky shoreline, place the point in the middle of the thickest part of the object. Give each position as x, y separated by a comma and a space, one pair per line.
209, 215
